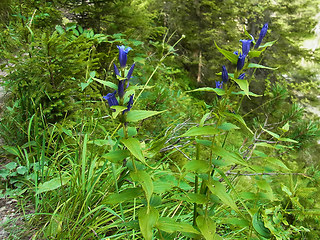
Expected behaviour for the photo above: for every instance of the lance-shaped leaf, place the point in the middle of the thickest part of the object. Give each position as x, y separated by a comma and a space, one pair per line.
169, 225
207, 227
220, 191
243, 84
117, 155
107, 83
52, 184
229, 55
258, 225
243, 93
137, 115
239, 119
255, 65
218, 91
201, 131
148, 217
126, 195
118, 109
145, 180
134, 147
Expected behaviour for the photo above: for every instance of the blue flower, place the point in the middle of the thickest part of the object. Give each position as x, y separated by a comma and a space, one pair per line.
219, 84
262, 34
224, 74
129, 105
121, 88
246, 44
241, 60
242, 76
236, 53
123, 51
111, 98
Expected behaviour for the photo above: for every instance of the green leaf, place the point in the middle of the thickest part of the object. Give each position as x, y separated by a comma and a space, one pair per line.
276, 162
169, 225
220, 191
148, 218
200, 131
10, 166
126, 195
59, 29
288, 140
12, 150
52, 184
137, 115
239, 119
207, 227
229, 55
198, 166
255, 65
192, 198
119, 109
22, 170
243, 84
243, 93
258, 225
134, 147
107, 83
271, 133
228, 126
117, 155
254, 53
285, 127
268, 44
132, 131
145, 180
218, 91
228, 157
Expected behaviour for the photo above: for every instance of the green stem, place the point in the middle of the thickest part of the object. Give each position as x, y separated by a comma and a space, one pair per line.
196, 183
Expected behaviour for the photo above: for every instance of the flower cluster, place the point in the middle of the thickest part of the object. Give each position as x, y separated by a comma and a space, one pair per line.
246, 45
111, 97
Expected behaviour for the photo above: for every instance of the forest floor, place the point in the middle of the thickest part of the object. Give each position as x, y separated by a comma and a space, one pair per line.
12, 220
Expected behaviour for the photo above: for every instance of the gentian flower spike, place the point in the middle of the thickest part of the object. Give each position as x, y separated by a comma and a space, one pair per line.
219, 84
242, 76
130, 73
116, 71
246, 44
121, 88
123, 55
224, 74
241, 60
111, 98
262, 34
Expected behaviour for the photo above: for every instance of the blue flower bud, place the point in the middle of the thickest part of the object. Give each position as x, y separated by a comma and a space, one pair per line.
242, 76
241, 60
129, 105
116, 71
246, 44
236, 53
123, 55
262, 35
224, 74
121, 88
130, 73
